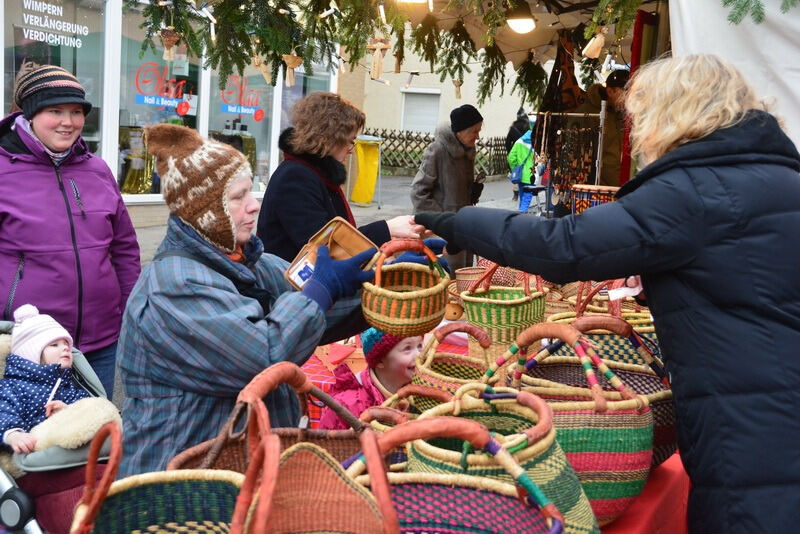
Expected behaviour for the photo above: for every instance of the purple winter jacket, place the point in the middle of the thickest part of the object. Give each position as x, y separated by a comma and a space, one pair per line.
67, 244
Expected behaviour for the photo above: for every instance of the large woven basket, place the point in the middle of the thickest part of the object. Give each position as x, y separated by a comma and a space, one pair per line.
608, 442
503, 312
180, 501
523, 424
406, 299
646, 377
232, 448
599, 301
453, 502
448, 372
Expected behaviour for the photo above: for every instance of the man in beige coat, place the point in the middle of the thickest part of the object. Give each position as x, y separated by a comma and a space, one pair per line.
445, 177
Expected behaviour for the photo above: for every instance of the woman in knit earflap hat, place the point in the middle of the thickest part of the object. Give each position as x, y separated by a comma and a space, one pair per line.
66, 232
391, 362
211, 310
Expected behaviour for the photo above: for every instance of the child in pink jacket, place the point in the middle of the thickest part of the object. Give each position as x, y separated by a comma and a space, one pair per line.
390, 365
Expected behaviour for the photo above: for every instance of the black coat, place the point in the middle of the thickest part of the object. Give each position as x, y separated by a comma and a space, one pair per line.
297, 204
713, 227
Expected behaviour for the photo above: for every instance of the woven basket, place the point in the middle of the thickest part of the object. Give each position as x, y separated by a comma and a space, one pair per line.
181, 501
599, 301
523, 424
406, 299
503, 312
455, 502
402, 406
608, 442
448, 372
232, 449
646, 377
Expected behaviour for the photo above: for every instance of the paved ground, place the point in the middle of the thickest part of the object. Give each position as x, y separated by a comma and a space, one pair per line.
395, 200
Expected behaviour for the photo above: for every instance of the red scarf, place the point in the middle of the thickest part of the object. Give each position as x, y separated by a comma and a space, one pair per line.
328, 184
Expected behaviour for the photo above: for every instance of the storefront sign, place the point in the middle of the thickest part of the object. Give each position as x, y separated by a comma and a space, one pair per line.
154, 87
240, 99
41, 22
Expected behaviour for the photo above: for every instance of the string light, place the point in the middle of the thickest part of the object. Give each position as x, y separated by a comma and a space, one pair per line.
411, 75
330, 11
382, 12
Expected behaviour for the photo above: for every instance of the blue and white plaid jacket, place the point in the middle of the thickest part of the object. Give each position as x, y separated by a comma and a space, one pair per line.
190, 342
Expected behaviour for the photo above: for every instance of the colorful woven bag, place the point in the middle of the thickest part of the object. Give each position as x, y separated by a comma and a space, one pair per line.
608, 443
454, 502
448, 372
196, 500
503, 312
647, 380
406, 299
523, 424
232, 448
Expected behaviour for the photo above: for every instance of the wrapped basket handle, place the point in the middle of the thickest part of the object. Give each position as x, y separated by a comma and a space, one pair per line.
476, 332
485, 281
375, 447
423, 391
401, 245
93, 494
385, 414
529, 400
614, 307
262, 469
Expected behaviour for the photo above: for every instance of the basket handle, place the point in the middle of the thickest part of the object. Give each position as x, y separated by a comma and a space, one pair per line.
486, 281
529, 400
425, 357
93, 494
621, 327
423, 391
375, 447
384, 413
614, 307
401, 245
263, 466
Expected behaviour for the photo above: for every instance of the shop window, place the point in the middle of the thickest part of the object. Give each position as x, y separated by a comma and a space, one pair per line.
153, 89
66, 33
304, 84
241, 115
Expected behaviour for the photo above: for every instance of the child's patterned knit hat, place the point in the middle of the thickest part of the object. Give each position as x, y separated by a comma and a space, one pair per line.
196, 174
376, 345
33, 331
48, 85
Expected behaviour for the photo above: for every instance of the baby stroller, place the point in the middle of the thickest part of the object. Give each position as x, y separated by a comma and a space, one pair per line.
39, 491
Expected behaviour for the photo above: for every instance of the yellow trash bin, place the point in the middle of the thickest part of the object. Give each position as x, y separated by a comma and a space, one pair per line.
368, 156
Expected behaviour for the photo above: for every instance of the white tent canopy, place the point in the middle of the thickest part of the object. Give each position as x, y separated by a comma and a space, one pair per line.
768, 54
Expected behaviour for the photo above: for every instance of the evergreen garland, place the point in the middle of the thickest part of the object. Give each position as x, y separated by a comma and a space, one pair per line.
456, 52
181, 15
319, 35
493, 62
492, 13
754, 8
426, 39
273, 34
359, 22
531, 82
397, 22
589, 69
228, 54
619, 12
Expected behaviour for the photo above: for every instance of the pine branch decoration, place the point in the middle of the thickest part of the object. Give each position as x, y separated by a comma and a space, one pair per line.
494, 70
754, 8
360, 21
455, 53
426, 41
181, 15
589, 69
619, 12
531, 82
397, 22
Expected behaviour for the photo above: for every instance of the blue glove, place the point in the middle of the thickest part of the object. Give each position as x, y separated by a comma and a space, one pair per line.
437, 247
334, 279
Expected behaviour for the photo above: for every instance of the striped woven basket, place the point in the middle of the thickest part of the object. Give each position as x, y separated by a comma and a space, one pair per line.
448, 372
608, 443
197, 500
503, 312
454, 502
232, 449
646, 377
599, 302
524, 426
406, 299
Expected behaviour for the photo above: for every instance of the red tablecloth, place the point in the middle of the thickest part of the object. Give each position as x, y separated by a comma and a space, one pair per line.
661, 508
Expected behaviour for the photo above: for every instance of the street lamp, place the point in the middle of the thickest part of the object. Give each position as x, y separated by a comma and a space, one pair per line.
519, 17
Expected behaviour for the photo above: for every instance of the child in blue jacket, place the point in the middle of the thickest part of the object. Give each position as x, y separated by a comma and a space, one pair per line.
38, 379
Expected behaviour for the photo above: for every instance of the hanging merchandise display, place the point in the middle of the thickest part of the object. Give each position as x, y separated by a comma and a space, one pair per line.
378, 45
292, 61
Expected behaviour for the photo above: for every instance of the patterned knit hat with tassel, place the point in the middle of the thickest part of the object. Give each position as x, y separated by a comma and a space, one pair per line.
196, 174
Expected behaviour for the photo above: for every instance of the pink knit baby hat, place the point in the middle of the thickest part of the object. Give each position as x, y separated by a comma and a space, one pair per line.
33, 331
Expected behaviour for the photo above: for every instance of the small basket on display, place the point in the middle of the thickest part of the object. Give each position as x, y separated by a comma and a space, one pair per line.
586, 196
406, 299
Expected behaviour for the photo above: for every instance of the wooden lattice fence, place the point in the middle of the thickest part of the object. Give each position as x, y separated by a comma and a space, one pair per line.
405, 149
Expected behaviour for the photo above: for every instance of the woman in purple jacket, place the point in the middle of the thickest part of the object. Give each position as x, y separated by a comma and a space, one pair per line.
67, 244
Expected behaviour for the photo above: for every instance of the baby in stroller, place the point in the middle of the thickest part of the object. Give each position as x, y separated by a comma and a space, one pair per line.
51, 403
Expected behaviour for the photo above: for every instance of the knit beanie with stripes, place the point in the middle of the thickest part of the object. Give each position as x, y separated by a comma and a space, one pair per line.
46, 86
196, 174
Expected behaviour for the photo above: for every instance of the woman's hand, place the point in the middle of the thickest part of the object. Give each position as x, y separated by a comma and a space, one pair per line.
21, 442
404, 227
636, 281
52, 407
